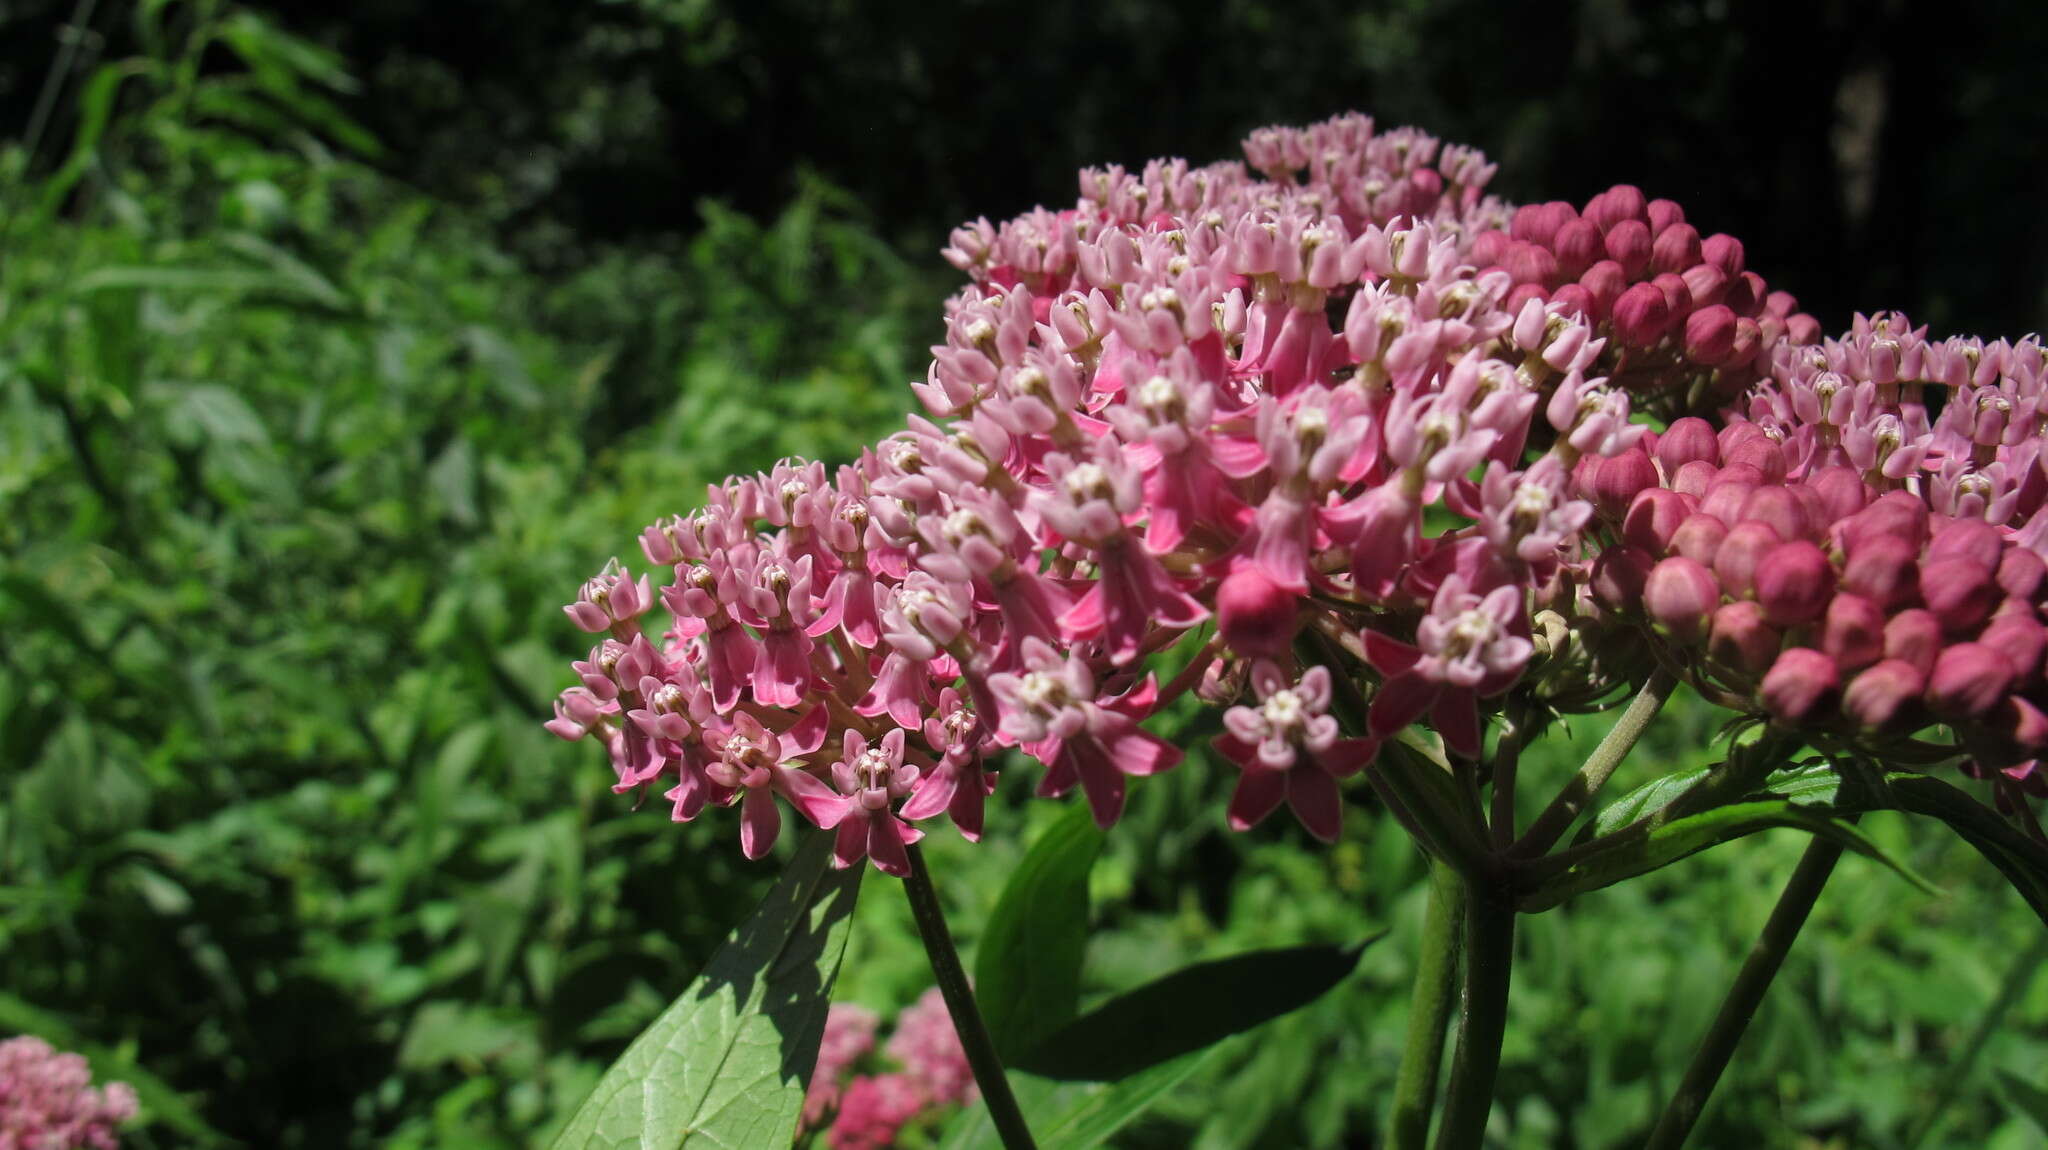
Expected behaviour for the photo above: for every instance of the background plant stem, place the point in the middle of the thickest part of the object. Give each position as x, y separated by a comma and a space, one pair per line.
1488, 963
1429, 1010
1740, 1006
959, 996
1557, 817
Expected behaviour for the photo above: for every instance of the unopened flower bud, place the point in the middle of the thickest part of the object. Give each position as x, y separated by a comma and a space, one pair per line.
1762, 453
1841, 491
1708, 285
1899, 513
1710, 335
1577, 244
1724, 252
1971, 539
1744, 548
2020, 573
2019, 637
1725, 496
1675, 249
1629, 244
1794, 583
1960, 592
1686, 440
1776, 505
1663, 214
1695, 478
1884, 569
1255, 616
1853, 635
1678, 301
1681, 596
1604, 281
1799, 685
1969, 681
1653, 518
1641, 315
1913, 635
1698, 538
1883, 694
1619, 575
1574, 298
1617, 480
1739, 638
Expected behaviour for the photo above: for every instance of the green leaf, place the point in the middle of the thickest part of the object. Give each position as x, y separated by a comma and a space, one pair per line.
1647, 799
1076, 1116
1192, 1008
1027, 966
2025, 1097
2022, 860
1660, 846
726, 1064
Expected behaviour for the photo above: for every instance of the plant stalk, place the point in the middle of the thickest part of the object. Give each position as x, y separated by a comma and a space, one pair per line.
1429, 1010
1571, 801
1739, 1007
959, 996
1489, 961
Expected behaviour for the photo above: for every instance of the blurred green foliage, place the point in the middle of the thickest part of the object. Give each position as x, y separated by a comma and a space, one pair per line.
298, 463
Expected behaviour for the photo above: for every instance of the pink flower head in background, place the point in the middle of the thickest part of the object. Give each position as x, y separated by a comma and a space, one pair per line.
48, 1102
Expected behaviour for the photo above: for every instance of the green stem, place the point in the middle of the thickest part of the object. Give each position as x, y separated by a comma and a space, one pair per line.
1571, 801
1429, 1011
959, 996
1743, 997
2016, 984
1489, 962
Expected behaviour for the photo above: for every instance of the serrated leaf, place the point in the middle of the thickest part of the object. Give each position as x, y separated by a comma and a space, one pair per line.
726, 1064
1027, 966
1191, 1009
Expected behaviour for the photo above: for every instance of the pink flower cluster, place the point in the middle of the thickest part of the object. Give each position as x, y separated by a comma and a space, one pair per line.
1357, 401
47, 1100
868, 1111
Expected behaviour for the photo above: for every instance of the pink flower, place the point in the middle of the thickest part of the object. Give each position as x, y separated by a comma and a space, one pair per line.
1051, 709
47, 1100
756, 762
1288, 748
849, 1036
873, 778
957, 785
874, 1109
928, 1047
1468, 647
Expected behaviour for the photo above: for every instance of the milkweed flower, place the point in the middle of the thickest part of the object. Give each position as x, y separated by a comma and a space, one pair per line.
48, 1102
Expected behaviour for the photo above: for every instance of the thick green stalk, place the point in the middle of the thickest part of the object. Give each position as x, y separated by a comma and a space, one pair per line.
1429, 1010
959, 996
1489, 962
1558, 816
1744, 996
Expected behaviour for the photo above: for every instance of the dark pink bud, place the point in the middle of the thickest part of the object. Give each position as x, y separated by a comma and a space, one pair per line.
1725, 497
1663, 214
1695, 478
1675, 249
1741, 552
1707, 285
1490, 248
2023, 724
1710, 336
1776, 505
1615, 483
1960, 592
1884, 569
1686, 440
1628, 244
1521, 294
1802, 328
1641, 315
1537, 223
2019, 637
1794, 583
1746, 295
1841, 491
1723, 251
1748, 337
1699, 537
1606, 281
1761, 452
1734, 435
1677, 296
1799, 685
1971, 539
1739, 638
1619, 575
1913, 635
1577, 244
1575, 298
1653, 518
1681, 596
1896, 513
1622, 202
1883, 694
1853, 635
1969, 681
2020, 572
1529, 263
1255, 616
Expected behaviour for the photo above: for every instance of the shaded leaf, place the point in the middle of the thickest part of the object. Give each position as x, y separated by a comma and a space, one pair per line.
1191, 1009
2025, 1097
1027, 966
726, 1064
1073, 1115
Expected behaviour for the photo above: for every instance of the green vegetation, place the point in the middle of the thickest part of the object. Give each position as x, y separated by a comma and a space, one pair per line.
298, 464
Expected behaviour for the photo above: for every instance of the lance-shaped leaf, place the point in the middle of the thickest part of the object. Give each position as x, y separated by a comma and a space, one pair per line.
2021, 859
1077, 1115
1644, 847
1191, 1009
1027, 966
726, 1064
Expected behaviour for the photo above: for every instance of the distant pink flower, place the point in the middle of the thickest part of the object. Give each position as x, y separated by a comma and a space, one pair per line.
929, 1049
873, 1110
849, 1036
47, 1100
